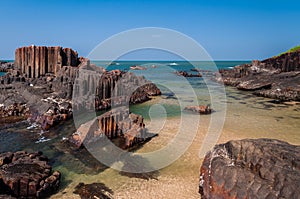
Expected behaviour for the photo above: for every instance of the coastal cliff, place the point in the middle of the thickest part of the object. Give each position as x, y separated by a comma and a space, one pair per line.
277, 77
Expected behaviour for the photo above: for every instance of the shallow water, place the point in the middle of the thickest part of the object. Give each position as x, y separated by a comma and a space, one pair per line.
247, 116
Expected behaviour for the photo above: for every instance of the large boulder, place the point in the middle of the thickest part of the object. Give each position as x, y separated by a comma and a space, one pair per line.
261, 168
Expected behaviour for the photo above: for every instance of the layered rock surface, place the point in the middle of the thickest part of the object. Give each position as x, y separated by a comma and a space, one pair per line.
277, 77
261, 168
27, 175
118, 123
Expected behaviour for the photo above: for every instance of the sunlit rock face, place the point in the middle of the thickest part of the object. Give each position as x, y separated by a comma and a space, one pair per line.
36, 61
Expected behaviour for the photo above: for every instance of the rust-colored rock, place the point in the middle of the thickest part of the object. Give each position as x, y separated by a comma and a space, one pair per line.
36, 61
200, 109
22, 175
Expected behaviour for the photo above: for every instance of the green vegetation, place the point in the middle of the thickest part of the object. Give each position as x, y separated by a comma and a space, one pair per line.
291, 50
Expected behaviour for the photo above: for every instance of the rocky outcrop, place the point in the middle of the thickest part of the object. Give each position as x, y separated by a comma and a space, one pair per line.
112, 88
261, 168
27, 175
186, 74
5, 66
199, 109
285, 62
129, 128
13, 113
277, 77
45, 79
94, 190
36, 61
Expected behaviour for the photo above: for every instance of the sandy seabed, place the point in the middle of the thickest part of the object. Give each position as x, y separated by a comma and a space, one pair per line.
180, 180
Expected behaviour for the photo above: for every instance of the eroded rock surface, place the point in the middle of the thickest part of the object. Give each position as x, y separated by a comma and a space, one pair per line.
27, 175
261, 168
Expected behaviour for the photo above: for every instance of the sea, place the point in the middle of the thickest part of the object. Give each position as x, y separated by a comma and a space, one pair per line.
238, 115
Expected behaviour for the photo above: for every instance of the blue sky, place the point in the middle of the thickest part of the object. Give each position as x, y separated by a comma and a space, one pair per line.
228, 30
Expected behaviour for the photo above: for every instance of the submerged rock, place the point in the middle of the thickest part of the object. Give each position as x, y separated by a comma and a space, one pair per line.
200, 109
261, 168
186, 74
94, 190
27, 175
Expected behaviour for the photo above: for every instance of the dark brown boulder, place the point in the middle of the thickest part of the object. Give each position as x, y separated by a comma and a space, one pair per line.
261, 168
94, 190
27, 175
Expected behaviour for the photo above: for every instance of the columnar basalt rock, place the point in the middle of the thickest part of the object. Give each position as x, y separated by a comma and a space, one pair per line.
43, 77
129, 127
111, 88
286, 62
36, 61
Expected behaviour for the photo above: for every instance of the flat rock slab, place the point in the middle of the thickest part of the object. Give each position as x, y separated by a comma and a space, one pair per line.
260, 168
27, 175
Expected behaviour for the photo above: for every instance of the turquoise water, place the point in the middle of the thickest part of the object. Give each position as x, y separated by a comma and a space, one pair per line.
247, 116
2, 74
182, 65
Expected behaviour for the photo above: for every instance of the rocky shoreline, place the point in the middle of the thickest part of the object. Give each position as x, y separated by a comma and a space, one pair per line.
39, 88
277, 77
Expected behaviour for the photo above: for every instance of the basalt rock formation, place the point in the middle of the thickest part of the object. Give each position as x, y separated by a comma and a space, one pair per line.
111, 88
277, 77
261, 168
44, 79
36, 61
27, 175
129, 128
